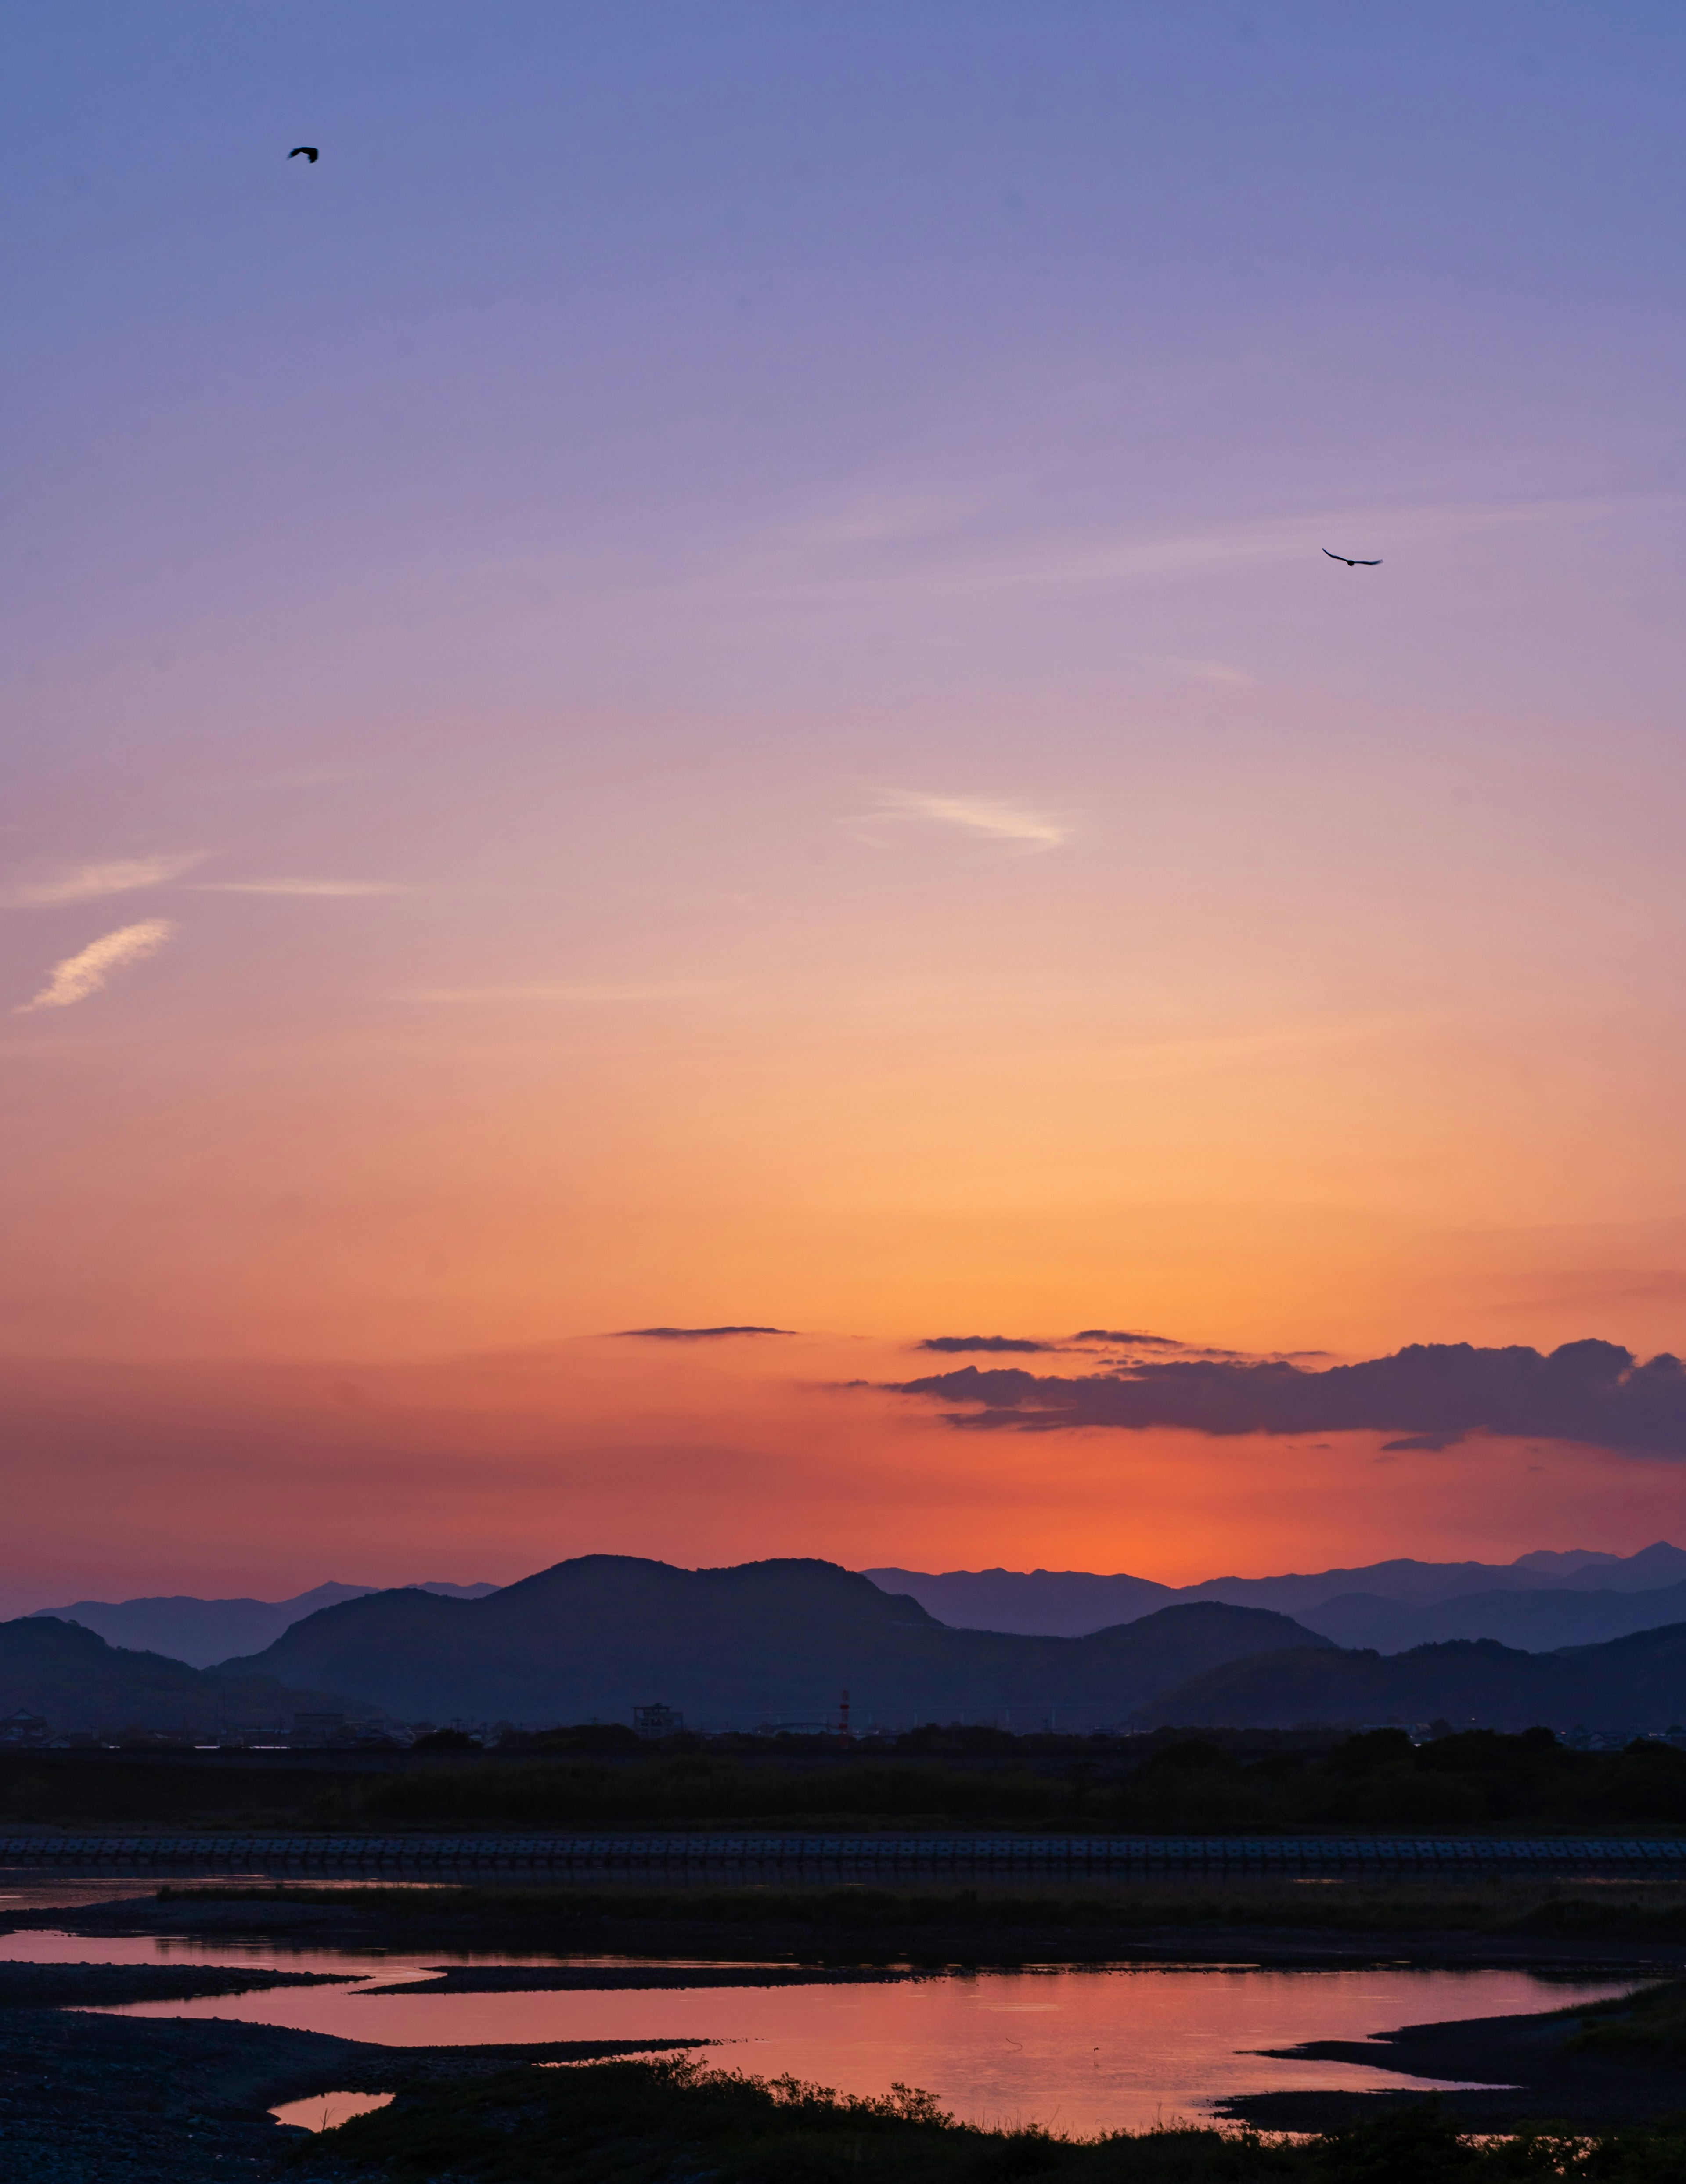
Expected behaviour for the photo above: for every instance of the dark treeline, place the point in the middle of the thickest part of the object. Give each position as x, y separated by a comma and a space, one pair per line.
1147, 1785
1179, 1785
943, 1922
964, 1741
1164, 1784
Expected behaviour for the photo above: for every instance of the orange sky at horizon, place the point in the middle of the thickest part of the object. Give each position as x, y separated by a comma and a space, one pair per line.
530, 1169
704, 1454
758, 728
449, 1227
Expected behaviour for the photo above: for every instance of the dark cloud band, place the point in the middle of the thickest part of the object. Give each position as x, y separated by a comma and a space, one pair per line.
692, 1333
1434, 1393
991, 1342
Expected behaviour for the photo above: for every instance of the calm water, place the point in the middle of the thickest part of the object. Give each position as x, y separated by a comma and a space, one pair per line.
1082, 2048
39, 1888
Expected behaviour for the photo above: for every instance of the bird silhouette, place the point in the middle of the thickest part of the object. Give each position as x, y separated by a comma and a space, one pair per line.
309, 150
1349, 561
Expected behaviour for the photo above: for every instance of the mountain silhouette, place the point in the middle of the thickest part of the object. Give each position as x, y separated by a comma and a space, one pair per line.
1637, 1681
601, 1634
201, 1631
1538, 1622
1066, 1603
73, 1677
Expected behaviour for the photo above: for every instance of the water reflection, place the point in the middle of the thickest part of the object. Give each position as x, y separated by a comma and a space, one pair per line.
326, 2111
1082, 2048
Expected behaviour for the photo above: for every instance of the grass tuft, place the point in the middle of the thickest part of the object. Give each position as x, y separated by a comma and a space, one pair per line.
679, 2122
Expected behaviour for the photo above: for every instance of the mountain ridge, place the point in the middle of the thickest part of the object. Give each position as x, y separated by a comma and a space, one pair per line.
1637, 1681
600, 1634
1542, 1622
76, 1681
1061, 1602
183, 1627
597, 1636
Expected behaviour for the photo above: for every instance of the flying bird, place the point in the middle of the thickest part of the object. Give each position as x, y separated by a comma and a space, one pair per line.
309, 150
1350, 562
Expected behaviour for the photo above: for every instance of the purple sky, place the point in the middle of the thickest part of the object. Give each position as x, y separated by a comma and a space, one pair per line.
694, 683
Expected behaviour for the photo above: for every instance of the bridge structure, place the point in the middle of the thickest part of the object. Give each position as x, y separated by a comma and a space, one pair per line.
881, 1854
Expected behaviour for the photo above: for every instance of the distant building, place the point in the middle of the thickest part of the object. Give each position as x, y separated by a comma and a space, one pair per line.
22, 1731
658, 1720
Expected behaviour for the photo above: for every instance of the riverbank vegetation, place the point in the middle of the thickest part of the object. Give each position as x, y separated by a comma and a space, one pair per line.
1169, 1784
617, 2122
1165, 1784
1650, 2026
861, 1922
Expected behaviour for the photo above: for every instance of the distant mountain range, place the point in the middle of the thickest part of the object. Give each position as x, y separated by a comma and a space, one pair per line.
1541, 1600
770, 1640
73, 1677
204, 1631
779, 1642
1638, 1682
1536, 1622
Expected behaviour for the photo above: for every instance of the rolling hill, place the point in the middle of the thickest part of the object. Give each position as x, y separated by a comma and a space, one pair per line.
201, 1631
1538, 1622
78, 1682
1637, 1681
601, 1634
1068, 1604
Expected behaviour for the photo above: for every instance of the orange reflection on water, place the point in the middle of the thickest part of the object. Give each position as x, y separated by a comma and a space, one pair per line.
1082, 2049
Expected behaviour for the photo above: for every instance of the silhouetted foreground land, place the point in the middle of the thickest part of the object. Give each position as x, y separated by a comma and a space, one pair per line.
103, 1986
113, 2100
1597, 2064
133, 2102
1170, 1783
671, 2120
1642, 1924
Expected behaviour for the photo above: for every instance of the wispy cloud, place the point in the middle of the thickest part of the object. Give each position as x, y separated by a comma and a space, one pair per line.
310, 777
87, 882
1078, 566
889, 516
78, 975
1213, 671
985, 818
299, 887
952, 1343
483, 996
691, 1334
1147, 1059
942, 552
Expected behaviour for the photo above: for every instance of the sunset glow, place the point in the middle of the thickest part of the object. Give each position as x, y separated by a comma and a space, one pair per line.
693, 684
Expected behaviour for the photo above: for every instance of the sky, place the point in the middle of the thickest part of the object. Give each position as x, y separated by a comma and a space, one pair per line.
695, 682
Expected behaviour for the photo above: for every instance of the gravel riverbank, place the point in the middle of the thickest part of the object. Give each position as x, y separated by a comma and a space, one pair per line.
1532, 2068
87, 2099
92, 2099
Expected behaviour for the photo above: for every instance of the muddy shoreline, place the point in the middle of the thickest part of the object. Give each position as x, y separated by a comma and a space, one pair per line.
353, 1922
1534, 2075
87, 2099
